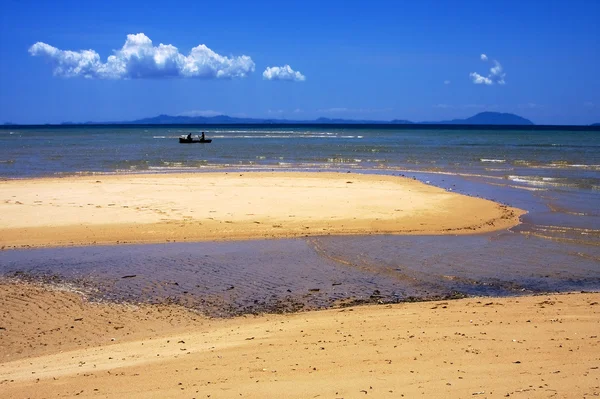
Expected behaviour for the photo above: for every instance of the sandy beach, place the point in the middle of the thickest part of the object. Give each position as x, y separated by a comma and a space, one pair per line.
110, 209
55, 344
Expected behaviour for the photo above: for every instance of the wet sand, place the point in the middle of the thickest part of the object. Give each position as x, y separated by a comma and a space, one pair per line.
116, 209
56, 344
233, 278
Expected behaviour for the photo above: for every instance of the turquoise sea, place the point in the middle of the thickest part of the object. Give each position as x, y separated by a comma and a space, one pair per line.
553, 173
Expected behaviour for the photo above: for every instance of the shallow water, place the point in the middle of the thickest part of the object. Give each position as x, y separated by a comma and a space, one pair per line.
553, 175
230, 278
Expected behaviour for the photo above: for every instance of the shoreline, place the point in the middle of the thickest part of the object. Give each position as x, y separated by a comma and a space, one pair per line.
192, 207
56, 342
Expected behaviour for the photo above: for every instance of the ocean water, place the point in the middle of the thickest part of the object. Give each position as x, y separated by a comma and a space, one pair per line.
560, 157
553, 174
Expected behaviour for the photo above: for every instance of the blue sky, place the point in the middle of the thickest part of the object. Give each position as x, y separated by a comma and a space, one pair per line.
382, 60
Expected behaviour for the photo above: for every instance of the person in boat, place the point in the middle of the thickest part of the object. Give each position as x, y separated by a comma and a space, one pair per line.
202, 137
189, 136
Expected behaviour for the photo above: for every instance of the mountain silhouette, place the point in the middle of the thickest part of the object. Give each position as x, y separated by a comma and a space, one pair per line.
488, 118
483, 118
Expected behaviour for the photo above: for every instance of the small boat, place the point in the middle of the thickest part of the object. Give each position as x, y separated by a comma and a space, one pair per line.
186, 140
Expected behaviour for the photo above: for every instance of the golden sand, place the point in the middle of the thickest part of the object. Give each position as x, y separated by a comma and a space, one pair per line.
54, 344
112, 209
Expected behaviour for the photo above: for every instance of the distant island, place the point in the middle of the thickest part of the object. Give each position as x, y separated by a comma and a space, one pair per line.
480, 119
488, 118
595, 124
483, 118
224, 119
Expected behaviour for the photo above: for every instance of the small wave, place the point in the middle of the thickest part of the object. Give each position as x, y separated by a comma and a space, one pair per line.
522, 162
593, 167
254, 134
541, 181
562, 233
492, 160
159, 137
253, 131
498, 169
270, 136
341, 160
555, 165
172, 167
534, 180
562, 209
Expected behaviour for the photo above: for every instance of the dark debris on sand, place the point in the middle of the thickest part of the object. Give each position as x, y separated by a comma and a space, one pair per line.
225, 304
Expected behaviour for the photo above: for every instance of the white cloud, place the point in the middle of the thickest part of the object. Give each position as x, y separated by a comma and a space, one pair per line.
446, 82
496, 74
478, 79
283, 73
139, 59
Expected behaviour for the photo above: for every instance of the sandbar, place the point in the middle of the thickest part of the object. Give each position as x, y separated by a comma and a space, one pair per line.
53, 343
153, 208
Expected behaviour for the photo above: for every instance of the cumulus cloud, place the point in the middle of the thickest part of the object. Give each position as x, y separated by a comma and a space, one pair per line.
496, 74
283, 73
140, 59
478, 79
